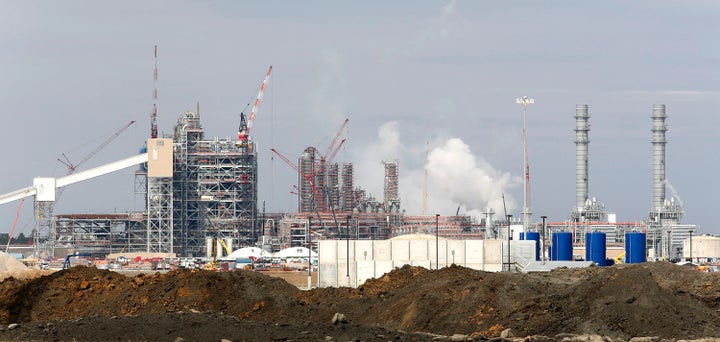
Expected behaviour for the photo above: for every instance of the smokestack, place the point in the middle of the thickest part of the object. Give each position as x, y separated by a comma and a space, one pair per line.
658, 143
581, 155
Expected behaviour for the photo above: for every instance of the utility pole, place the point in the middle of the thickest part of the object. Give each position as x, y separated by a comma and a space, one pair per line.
309, 252
525, 101
437, 243
509, 217
347, 253
543, 237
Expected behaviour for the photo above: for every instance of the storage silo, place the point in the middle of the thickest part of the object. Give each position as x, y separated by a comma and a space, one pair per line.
595, 248
561, 246
635, 248
534, 236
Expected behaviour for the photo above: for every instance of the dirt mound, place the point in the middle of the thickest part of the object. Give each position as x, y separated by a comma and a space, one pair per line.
623, 301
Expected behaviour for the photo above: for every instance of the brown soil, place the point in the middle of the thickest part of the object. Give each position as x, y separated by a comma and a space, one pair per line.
619, 302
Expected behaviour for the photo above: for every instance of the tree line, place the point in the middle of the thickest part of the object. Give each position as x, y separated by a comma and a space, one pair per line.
20, 239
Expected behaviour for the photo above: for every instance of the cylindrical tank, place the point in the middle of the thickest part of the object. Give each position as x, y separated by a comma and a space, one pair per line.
208, 247
562, 246
595, 248
534, 236
635, 248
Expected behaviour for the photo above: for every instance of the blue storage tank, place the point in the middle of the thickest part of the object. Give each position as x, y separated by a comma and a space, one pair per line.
534, 236
595, 248
561, 246
635, 248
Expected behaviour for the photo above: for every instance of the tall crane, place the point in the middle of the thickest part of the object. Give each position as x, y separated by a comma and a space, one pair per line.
153, 117
245, 126
308, 177
72, 167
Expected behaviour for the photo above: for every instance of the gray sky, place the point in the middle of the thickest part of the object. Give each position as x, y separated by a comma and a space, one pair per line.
415, 78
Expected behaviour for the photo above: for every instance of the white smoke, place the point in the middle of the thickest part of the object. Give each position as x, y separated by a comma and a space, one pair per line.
469, 180
454, 176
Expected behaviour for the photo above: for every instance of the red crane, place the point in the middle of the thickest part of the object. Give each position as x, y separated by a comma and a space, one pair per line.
245, 127
308, 177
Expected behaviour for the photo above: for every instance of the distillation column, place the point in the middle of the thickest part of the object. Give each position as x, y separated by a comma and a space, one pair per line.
391, 191
581, 155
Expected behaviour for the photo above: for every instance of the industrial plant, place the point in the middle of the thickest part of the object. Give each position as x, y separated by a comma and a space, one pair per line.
201, 193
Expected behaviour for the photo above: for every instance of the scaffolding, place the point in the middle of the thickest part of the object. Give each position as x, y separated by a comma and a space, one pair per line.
392, 195
306, 164
100, 233
348, 195
333, 186
215, 188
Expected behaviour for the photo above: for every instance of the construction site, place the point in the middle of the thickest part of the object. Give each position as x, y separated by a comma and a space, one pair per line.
375, 273
200, 192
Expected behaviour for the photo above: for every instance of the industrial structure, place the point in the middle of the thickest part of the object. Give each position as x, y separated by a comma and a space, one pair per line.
663, 230
200, 192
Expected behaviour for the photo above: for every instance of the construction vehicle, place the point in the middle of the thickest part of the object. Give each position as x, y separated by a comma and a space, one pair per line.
67, 264
620, 258
213, 264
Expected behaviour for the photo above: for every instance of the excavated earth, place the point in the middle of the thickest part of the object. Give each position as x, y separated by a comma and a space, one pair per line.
658, 301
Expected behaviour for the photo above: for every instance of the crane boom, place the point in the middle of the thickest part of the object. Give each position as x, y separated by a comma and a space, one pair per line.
243, 133
337, 135
335, 152
308, 178
72, 168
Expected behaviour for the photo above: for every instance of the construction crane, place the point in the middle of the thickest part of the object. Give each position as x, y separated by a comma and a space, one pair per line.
45, 188
246, 125
153, 117
308, 177
72, 167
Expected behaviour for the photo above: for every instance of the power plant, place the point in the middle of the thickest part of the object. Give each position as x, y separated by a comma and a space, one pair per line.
200, 192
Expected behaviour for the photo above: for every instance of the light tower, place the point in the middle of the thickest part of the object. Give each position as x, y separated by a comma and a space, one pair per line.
525, 101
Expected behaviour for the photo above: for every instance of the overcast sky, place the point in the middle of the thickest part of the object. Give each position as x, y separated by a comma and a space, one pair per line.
425, 82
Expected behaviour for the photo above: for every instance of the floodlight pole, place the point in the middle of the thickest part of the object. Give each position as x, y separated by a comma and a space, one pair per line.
543, 237
437, 244
691, 232
347, 245
309, 253
525, 101
509, 217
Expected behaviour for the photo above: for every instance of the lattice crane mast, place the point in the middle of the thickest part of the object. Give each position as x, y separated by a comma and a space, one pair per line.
245, 126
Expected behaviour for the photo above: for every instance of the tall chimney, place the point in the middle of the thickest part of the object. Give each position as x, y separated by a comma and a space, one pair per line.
658, 143
581, 155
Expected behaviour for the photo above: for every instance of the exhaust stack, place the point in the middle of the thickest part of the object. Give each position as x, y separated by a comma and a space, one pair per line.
581, 155
658, 142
